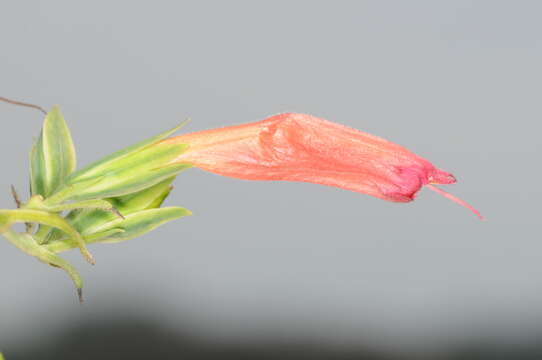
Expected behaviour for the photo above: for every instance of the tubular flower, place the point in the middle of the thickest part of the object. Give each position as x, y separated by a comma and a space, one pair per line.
300, 147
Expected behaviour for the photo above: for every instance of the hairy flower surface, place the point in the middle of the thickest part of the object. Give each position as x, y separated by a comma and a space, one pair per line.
300, 147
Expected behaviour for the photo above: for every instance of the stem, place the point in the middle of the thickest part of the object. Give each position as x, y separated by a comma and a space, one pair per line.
16, 197
20, 103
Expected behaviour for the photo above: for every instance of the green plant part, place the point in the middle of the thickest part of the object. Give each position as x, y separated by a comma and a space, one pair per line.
10, 217
142, 214
117, 230
36, 202
26, 243
125, 172
52, 158
87, 220
112, 200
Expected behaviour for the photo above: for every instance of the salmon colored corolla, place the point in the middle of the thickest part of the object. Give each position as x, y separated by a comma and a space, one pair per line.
300, 147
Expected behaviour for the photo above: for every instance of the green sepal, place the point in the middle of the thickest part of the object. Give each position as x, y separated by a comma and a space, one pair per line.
90, 219
142, 222
117, 159
52, 158
152, 197
146, 170
26, 243
37, 203
101, 235
116, 185
133, 173
37, 168
10, 217
136, 224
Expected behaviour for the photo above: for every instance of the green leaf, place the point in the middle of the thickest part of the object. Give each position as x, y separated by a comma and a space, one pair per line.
118, 230
52, 158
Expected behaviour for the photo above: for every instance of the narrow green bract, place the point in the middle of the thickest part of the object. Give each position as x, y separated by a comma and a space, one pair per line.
115, 160
133, 174
125, 172
89, 222
118, 230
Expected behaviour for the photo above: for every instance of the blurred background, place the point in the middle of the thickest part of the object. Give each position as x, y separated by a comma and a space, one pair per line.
288, 270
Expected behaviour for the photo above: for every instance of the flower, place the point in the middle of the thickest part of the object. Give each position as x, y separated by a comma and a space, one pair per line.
300, 147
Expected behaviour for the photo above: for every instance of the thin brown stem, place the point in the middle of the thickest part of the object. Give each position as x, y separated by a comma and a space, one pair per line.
116, 211
16, 197
20, 103
29, 227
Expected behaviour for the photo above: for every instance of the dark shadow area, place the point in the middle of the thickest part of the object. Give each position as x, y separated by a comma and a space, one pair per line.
496, 351
126, 337
133, 338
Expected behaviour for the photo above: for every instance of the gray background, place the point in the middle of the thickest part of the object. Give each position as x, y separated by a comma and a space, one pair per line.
457, 82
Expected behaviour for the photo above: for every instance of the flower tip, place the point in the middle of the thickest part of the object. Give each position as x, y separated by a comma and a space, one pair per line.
442, 177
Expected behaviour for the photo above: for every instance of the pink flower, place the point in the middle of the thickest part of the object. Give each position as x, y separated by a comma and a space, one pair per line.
300, 147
